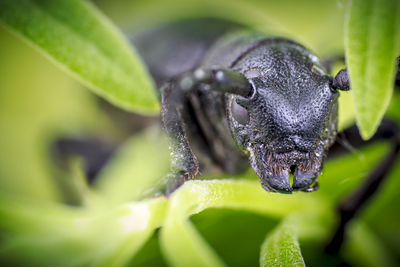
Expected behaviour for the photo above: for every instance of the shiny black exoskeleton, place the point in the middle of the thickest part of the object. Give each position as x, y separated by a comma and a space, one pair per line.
244, 97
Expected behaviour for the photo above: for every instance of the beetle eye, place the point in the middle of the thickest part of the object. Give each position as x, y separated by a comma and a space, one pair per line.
239, 113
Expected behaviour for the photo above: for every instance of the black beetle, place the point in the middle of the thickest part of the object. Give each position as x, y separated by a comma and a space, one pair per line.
270, 97
230, 97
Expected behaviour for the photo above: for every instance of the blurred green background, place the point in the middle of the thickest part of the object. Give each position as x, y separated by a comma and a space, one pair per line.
40, 103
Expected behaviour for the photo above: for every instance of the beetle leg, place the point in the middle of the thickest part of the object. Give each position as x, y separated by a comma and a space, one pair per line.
174, 95
184, 162
353, 203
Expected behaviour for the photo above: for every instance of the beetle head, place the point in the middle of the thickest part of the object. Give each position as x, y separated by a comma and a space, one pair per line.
289, 121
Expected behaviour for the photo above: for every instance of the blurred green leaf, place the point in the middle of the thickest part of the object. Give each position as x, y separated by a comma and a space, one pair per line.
382, 216
235, 235
38, 103
372, 45
364, 248
182, 245
195, 196
306, 22
130, 226
137, 166
282, 248
81, 40
343, 174
346, 111
71, 236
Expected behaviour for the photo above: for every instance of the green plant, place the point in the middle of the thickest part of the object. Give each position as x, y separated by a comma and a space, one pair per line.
112, 226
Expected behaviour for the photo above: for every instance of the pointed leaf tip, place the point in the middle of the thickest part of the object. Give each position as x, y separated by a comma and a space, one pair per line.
372, 46
81, 40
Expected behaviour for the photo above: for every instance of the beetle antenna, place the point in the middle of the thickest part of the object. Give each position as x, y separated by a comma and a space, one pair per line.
341, 81
225, 81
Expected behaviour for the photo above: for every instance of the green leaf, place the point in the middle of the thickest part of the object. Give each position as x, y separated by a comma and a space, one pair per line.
101, 236
372, 45
129, 227
84, 42
281, 247
182, 244
364, 248
340, 176
141, 162
196, 196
